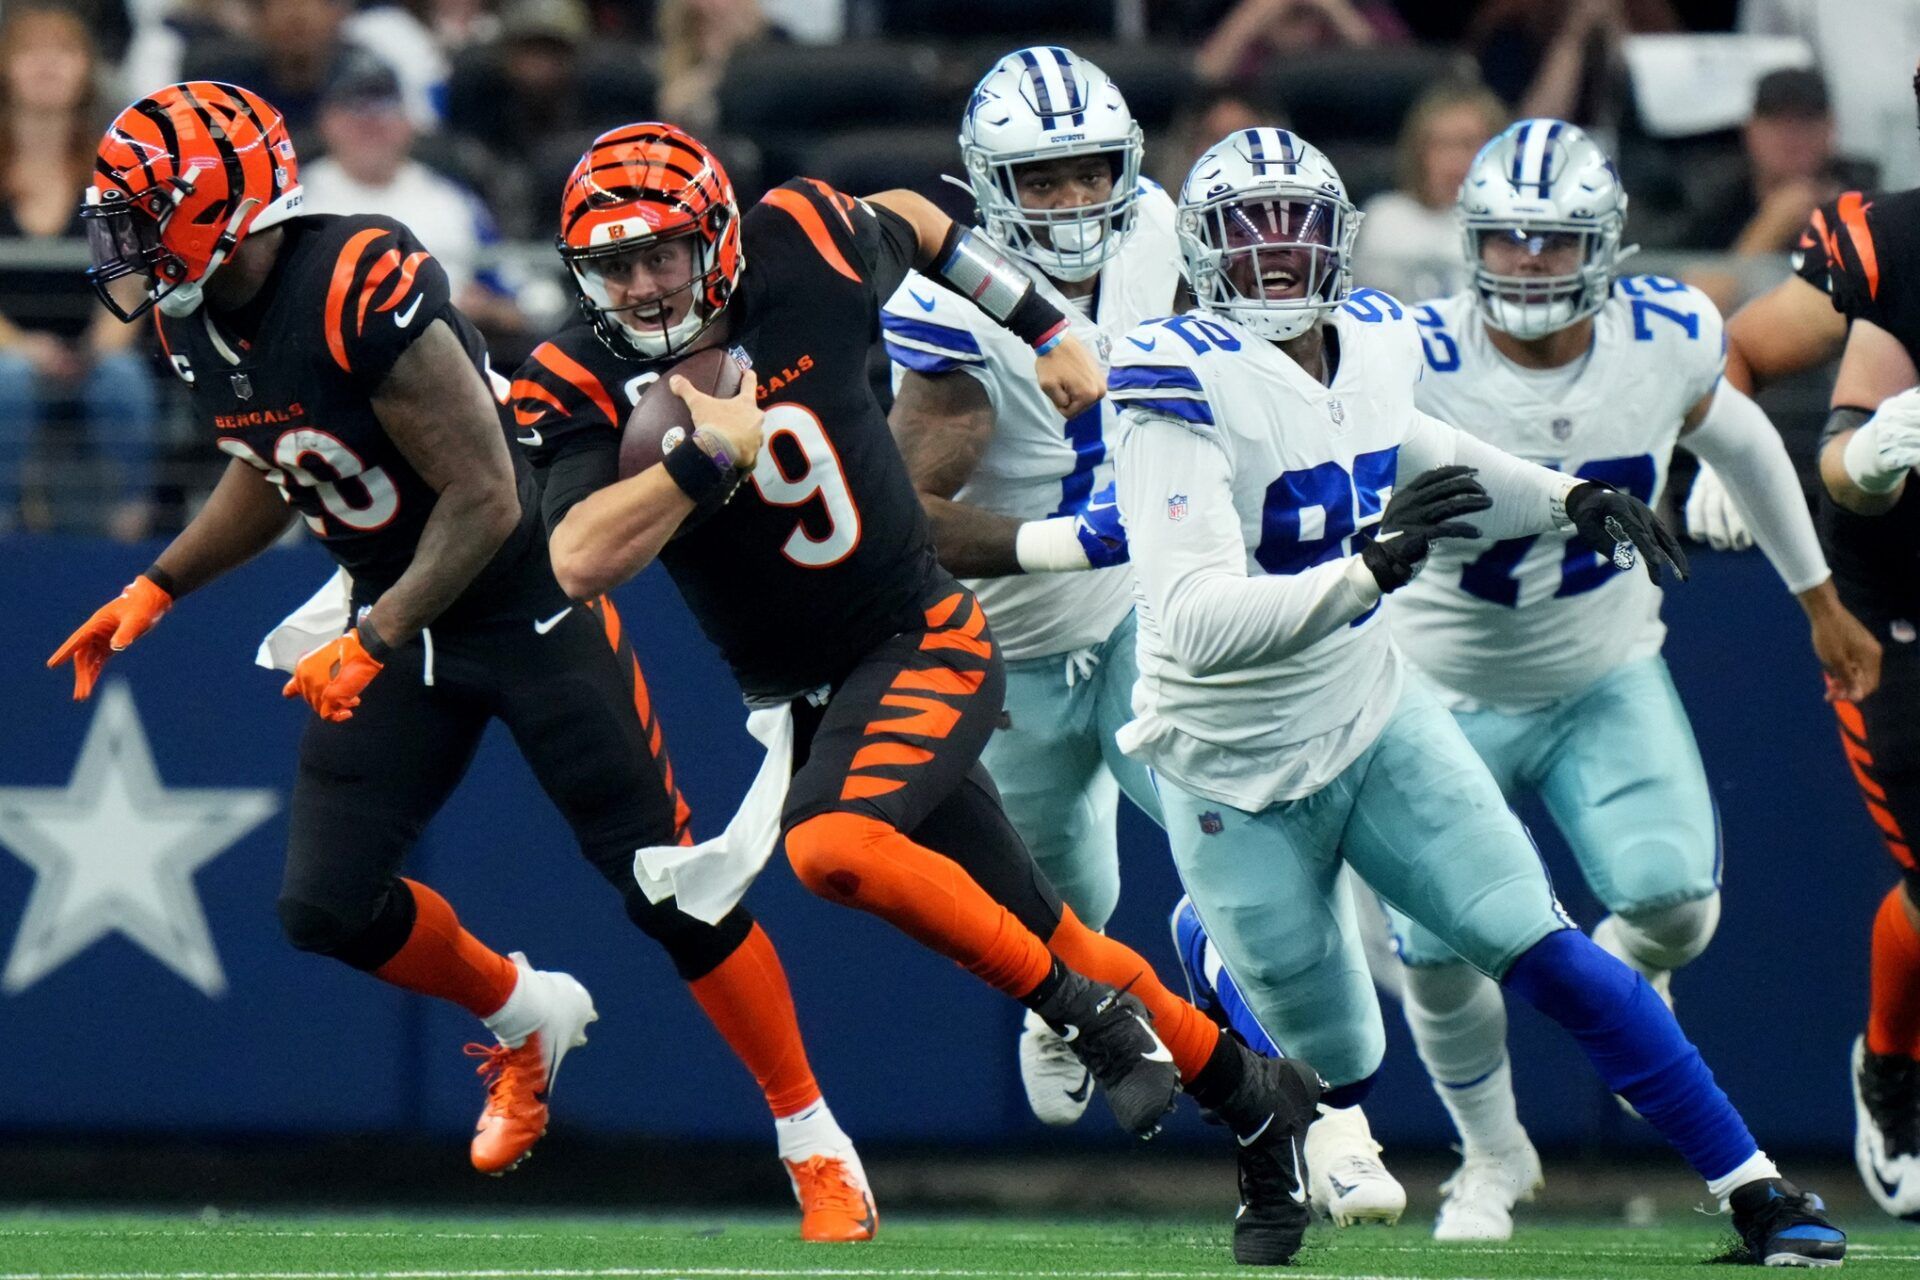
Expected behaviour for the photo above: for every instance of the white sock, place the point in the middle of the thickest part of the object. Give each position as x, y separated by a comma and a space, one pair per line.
521, 1015
1459, 1023
811, 1131
1754, 1168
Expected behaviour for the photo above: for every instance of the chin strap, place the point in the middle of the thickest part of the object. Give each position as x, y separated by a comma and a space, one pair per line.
185, 298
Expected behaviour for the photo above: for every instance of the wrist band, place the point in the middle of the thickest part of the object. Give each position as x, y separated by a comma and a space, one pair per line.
370, 640
162, 579
696, 471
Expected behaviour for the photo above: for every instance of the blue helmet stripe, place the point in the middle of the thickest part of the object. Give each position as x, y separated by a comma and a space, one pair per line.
1520, 151
1546, 157
1045, 98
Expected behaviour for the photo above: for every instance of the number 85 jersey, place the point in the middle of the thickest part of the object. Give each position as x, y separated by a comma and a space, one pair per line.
1522, 622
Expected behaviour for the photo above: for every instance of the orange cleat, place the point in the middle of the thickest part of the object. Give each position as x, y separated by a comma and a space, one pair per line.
835, 1205
519, 1079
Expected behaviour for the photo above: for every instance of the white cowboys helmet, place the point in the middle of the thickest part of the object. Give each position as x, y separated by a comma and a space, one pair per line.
1044, 103
1543, 185
1262, 214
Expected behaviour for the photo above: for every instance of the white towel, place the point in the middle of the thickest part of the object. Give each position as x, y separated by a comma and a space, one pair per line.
324, 617
708, 879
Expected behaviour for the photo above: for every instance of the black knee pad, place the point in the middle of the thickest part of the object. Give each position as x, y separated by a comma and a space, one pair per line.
695, 947
363, 939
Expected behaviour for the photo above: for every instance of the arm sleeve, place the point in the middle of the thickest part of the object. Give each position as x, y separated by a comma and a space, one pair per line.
1838, 253
1176, 490
566, 421
1736, 440
1527, 498
580, 465
385, 290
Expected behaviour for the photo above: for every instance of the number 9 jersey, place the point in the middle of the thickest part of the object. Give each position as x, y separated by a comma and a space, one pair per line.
1521, 622
824, 552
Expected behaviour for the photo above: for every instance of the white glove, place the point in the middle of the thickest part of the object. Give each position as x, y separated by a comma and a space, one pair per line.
1711, 516
1887, 445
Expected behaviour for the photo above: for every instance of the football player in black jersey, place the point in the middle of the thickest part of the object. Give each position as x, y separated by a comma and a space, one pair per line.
325, 357
1855, 294
810, 564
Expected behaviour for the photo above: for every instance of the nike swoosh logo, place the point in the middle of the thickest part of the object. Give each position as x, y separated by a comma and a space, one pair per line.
866, 1223
541, 628
926, 304
405, 318
1254, 1137
1299, 1193
530, 441
1079, 1094
1148, 345
1160, 1051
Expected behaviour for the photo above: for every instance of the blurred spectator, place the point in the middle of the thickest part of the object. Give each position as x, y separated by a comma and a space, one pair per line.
1787, 167
696, 39
1410, 242
407, 45
162, 32
523, 97
369, 168
1201, 123
1256, 31
295, 48
1558, 58
1866, 49
56, 347
809, 21
458, 24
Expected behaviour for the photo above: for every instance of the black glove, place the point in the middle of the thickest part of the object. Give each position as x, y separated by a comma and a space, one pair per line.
1427, 507
1619, 525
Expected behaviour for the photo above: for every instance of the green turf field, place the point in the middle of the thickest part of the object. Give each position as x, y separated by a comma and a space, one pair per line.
340, 1248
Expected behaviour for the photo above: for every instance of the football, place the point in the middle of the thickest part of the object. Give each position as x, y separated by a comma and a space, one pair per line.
660, 421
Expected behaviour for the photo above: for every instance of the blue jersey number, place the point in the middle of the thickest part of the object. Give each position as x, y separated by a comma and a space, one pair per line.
1490, 575
1443, 353
1636, 289
1370, 306
1349, 507
1201, 335
1089, 451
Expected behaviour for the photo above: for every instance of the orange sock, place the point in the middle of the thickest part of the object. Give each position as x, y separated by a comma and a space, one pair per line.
746, 997
1893, 1010
442, 959
1189, 1034
862, 862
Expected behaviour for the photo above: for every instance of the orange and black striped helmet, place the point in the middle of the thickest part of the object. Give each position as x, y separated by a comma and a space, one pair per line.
180, 179
638, 188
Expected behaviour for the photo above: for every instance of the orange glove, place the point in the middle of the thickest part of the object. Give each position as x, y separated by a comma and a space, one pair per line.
331, 677
113, 627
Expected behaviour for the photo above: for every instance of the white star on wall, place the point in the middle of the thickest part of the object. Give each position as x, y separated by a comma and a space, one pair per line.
116, 850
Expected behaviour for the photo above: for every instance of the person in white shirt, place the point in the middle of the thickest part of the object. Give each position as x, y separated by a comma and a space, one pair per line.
1020, 498
369, 168
1547, 655
1278, 480
1409, 243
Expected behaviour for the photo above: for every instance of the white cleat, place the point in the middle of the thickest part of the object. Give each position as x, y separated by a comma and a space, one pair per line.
1886, 1129
1347, 1181
1477, 1201
1058, 1084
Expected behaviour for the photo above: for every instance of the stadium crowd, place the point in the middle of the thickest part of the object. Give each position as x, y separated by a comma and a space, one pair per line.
461, 117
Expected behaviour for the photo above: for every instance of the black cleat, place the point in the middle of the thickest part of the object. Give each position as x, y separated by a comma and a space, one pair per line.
1112, 1035
1783, 1226
1886, 1128
1269, 1114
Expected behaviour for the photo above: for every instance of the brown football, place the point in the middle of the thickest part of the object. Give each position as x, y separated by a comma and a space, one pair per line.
660, 420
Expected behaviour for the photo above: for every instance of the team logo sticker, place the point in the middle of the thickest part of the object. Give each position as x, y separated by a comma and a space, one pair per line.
1177, 507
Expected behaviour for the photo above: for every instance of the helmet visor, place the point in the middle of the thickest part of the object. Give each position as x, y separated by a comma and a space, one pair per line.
131, 268
1279, 250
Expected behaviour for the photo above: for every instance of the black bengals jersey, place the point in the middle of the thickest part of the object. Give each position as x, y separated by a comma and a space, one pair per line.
1864, 250
292, 395
824, 552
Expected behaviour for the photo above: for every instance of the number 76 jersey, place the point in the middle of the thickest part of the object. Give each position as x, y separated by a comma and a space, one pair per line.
1522, 622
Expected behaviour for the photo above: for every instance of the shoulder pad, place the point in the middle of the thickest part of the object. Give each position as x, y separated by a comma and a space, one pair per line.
930, 329
1155, 367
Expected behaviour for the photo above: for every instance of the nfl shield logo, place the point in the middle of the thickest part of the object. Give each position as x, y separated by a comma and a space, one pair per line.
1336, 411
1210, 824
1103, 347
1177, 507
243, 386
1562, 428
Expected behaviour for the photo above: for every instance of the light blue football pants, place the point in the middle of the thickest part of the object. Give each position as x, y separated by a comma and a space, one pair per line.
1421, 820
1617, 767
1060, 774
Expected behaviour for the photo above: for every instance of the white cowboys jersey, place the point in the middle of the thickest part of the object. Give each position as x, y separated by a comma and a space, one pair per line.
1039, 464
1522, 622
1293, 470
